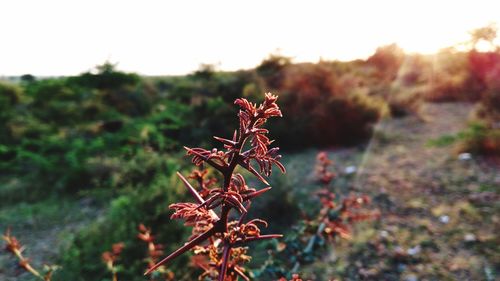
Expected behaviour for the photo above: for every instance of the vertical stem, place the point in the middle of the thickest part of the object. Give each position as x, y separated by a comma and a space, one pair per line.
222, 223
227, 175
225, 260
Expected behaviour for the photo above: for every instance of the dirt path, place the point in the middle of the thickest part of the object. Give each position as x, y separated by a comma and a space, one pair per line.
439, 213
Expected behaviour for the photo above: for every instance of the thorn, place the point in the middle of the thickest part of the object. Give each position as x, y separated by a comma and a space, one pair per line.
202, 237
191, 189
253, 171
225, 141
256, 193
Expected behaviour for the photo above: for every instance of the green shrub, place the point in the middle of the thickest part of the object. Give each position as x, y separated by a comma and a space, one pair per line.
10, 97
477, 138
143, 203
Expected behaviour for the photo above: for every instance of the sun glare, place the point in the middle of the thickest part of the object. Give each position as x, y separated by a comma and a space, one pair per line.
60, 38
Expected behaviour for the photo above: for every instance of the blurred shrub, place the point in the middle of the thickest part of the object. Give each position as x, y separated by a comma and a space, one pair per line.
271, 69
473, 76
486, 137
485, 68
449, 77
489, 108
404, 101
479, 139
484, 72
387, 61
447, 88
205, 72
10, 97
55, 129
27, 78
209, 96
144, 204
323, 110
105, 77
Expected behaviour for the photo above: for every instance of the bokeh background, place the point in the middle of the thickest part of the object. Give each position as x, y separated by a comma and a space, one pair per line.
97, 99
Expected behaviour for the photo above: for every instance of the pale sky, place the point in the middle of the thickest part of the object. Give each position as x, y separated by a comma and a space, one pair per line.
67, 37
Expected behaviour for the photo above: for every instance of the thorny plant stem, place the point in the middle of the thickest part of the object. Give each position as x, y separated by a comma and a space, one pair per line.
225, 208
222, 223
228, 196
229, 173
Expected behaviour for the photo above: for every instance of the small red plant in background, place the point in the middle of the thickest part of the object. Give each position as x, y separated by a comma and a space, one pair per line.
14, 247
335, 219
219, 241
155, 251
110, 258
323, 163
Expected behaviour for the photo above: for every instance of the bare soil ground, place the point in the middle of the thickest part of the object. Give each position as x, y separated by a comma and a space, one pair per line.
440, 215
